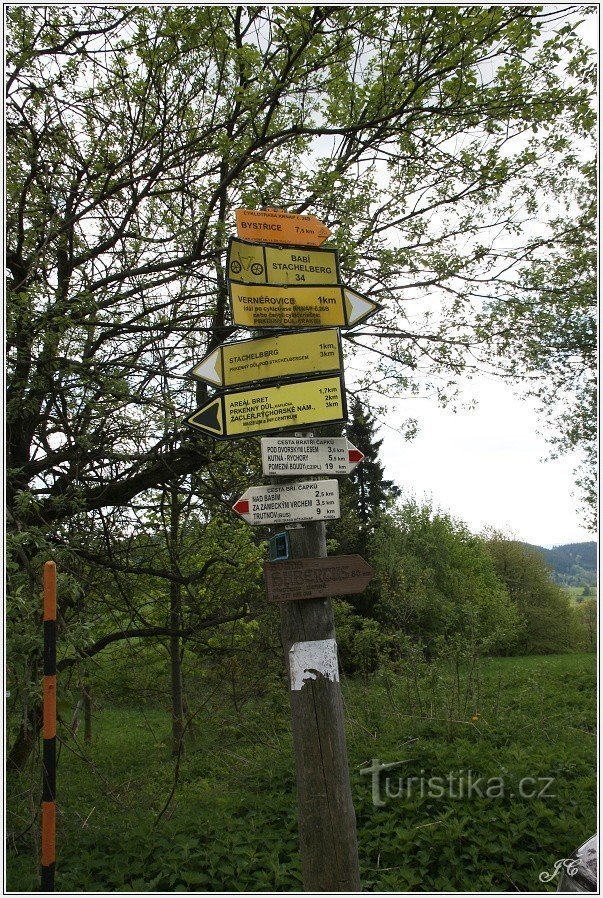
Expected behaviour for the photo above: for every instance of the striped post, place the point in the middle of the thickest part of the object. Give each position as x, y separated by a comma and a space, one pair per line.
49, 728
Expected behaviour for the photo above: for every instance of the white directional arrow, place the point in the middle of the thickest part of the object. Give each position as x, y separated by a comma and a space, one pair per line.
313, 500
358, 307
210, 368
284, 456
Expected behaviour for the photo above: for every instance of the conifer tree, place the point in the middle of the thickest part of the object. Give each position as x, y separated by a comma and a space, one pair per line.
364, 495
373, 491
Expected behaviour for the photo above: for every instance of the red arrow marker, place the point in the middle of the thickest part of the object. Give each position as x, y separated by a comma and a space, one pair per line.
242, 506
355, 455
312, 500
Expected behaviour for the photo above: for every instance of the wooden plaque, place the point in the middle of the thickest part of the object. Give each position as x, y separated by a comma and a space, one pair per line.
316, 578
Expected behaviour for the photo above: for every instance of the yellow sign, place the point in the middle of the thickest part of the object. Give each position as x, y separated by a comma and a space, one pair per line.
278, 226
266, 306
272, 358
254, 263
289, 406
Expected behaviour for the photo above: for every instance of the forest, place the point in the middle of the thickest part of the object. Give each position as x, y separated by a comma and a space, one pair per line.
574, 564
451, 153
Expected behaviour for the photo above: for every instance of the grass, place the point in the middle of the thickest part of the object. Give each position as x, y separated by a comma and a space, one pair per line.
232, 823
576, 593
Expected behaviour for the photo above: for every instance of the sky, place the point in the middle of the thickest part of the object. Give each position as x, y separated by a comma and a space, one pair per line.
486, 466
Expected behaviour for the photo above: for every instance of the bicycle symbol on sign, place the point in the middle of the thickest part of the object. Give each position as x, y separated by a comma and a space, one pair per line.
236, 267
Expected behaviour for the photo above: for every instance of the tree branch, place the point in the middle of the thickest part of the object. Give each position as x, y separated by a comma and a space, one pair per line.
148, 633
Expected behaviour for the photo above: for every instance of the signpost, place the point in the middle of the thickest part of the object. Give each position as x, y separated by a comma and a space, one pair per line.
316, 578
298, 306
289, 286
327, 823
272, 408
311, 500
272, 358
290, 456
277, 226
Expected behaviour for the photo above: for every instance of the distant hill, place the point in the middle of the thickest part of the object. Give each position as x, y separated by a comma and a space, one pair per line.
574, 564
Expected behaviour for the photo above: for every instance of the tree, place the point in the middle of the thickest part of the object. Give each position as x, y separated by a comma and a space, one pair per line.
543, 606
373, 491
587, 619
135, 132
545, 328
438, 584
364, 495
133, 135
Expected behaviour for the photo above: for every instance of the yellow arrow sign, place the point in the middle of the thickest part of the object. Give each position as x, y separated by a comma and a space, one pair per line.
272, 408
254, 263
272, 358
267, 306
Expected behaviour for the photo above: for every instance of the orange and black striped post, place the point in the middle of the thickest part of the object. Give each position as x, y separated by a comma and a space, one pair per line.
49, 757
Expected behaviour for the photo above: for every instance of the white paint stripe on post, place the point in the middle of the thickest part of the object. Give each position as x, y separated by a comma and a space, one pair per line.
309, 660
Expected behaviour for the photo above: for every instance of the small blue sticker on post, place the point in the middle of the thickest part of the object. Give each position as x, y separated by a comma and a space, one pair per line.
278, 547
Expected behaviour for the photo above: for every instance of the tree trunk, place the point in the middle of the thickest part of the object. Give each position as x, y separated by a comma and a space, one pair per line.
26, 738
176, 671
87, 712
75, 719
176, 624
190, 726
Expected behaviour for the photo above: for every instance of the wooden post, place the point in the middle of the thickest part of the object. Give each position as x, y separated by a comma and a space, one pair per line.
327, 823
87, 697
176, 626
49, 728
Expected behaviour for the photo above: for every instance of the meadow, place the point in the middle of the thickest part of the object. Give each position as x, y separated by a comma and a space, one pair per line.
576, 593
224, 817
